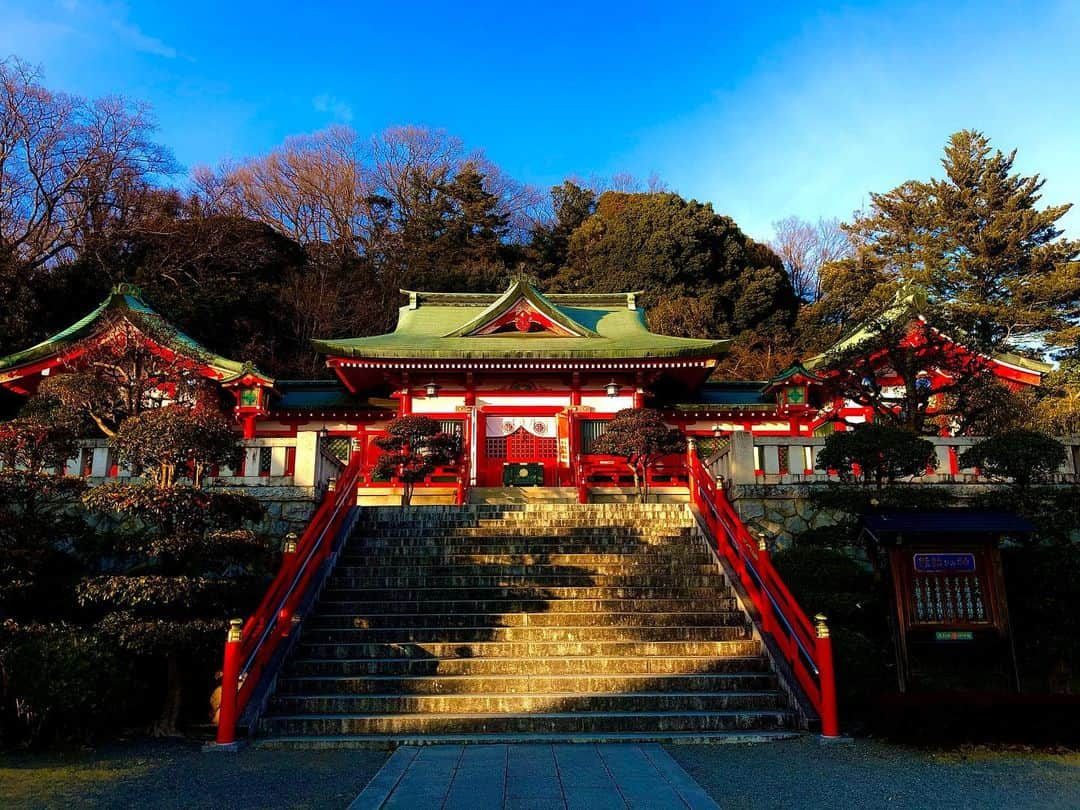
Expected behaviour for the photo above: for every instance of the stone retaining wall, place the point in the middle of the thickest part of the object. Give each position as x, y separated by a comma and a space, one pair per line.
288, 508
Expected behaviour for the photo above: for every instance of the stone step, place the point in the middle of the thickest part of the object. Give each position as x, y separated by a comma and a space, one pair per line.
537, 684
521, 703
435, 555
546, 722
538, 532
389, 741
559, 633
534, 591
668, 569
497, 579
535, 650
331, 605
520, 547
325, 620
530, 666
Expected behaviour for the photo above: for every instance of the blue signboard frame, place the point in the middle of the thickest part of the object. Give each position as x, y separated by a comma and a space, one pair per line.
944, 563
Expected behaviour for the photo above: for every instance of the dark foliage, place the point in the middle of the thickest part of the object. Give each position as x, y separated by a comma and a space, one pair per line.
1024, 457
877, 454
640, 436
60, 683
414, 447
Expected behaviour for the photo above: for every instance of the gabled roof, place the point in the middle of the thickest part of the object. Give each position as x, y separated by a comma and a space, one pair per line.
521, 294
445, 326
125, 301
911, 303
796, 373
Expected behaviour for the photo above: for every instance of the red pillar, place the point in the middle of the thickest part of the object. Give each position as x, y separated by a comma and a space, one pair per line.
830, 722
230, 684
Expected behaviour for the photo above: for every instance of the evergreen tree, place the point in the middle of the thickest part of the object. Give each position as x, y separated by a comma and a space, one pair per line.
186, 560
550, 243
679, 251
996, 264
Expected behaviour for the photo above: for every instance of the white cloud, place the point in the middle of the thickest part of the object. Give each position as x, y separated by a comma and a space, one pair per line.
143, 42
339, 110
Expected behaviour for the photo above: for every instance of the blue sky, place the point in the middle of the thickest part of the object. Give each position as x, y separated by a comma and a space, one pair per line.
765, 110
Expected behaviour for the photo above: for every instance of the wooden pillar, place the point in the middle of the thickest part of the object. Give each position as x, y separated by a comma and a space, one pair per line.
470, 389
405, 402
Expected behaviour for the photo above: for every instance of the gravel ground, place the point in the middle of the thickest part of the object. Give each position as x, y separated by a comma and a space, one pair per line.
798, 773
179, 775
804, 774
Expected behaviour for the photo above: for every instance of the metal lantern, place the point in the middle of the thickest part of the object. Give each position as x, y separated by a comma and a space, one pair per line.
432, 389
612, 389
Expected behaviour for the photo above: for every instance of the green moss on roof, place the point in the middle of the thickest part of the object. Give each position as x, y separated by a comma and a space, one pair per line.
437, 326
126, 301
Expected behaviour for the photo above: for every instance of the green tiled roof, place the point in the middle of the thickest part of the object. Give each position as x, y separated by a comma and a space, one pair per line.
438, 326
126, 301
910, 303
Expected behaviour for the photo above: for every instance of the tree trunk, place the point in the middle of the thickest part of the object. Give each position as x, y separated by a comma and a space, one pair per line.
637, 482
167, 724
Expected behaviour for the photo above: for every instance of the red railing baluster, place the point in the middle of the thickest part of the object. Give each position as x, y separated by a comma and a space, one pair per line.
249, 648
806, 647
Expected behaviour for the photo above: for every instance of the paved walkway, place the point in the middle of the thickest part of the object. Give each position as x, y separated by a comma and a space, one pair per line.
532, 777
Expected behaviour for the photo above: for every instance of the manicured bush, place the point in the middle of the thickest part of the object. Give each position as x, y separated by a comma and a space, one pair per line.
176, 440
640, 436
830, 582
874, 453
1043, 589
1024, 457
412, 450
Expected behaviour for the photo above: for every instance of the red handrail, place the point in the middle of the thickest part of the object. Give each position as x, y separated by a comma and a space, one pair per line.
806, 646
248, 649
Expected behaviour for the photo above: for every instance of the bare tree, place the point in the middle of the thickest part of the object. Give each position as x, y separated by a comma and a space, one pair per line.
804, 247
335, 188
311, 188
69, 168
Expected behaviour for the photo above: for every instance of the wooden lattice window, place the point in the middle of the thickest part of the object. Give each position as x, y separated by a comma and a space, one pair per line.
340, 447
266, 455
496, 446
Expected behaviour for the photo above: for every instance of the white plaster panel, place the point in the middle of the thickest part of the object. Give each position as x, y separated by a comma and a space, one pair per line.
524, 401
437, 404
605, 403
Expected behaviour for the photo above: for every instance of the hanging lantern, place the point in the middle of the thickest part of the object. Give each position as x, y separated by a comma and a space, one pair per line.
432, 389
612, 389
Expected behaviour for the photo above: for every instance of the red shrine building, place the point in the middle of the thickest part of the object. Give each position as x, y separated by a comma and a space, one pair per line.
529, 380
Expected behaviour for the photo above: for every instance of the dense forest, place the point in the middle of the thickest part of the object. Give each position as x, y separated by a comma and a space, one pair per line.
314, 239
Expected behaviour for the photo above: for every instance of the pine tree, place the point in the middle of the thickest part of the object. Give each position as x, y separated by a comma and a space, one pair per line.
997, 265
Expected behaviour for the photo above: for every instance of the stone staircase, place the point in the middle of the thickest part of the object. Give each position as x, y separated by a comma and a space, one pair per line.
526, 621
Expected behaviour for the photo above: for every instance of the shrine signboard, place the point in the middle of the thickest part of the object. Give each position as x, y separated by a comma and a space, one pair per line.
947, 582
